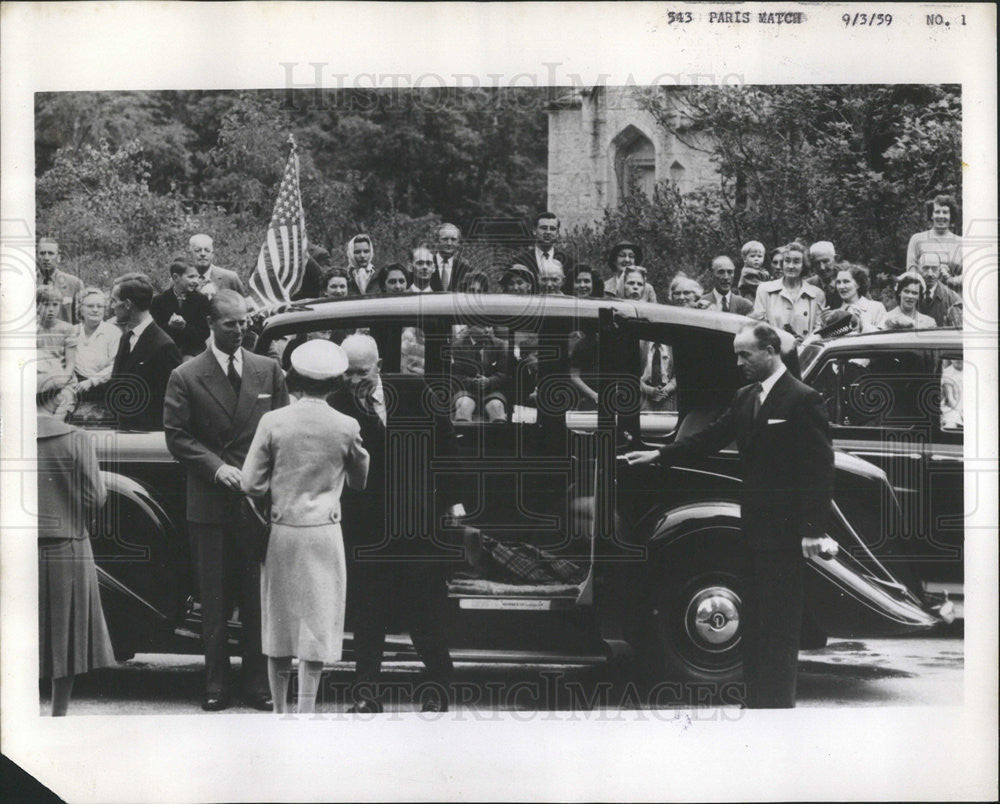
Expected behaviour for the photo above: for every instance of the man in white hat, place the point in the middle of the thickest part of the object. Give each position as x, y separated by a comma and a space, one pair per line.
212, 407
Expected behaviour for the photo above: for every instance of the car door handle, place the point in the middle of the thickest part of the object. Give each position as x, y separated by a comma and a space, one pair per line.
937, 456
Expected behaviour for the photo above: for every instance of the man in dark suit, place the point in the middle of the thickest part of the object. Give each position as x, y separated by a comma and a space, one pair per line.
449, 268
392, 579
939, 302
721, 296
146, 356
181, 311
544, 251
786, 460
214, 403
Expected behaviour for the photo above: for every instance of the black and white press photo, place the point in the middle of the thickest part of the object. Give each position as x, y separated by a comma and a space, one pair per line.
372, 411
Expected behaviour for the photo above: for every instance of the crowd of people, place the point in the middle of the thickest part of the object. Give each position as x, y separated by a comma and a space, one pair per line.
148, 354
808, 291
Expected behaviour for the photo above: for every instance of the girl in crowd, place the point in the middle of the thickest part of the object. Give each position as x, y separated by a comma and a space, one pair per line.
852, 283
587, 282
790, 303
634, 284
55, 343
360, 266
72, 635
336, 285
623, 256
302, 454
910, 291
942, 212
394, 279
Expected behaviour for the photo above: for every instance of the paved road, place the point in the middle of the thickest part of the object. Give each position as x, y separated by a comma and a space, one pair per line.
874, 672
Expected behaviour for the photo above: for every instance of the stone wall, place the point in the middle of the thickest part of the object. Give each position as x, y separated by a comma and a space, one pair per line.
588, 129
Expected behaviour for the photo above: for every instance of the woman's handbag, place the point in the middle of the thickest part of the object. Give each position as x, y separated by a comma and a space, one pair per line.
255, 526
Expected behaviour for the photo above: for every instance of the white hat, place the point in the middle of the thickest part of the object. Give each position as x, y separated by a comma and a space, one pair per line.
319, 360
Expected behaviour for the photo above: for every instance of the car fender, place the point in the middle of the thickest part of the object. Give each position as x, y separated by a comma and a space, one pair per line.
141, 555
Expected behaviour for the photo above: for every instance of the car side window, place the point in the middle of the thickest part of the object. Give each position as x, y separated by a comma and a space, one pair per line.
881, 389
951, 369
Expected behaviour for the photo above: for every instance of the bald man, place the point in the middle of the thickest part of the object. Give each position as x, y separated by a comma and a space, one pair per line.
450, 269
394, 578
822, 260
212, 277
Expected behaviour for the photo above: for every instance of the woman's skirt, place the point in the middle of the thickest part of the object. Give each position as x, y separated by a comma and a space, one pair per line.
303, 593
72, 635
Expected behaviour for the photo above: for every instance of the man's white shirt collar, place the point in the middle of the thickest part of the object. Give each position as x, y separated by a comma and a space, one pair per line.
768, 384
223, 358
719, 297
138, 328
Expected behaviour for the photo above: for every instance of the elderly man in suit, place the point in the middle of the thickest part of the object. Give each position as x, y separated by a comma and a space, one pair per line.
390, 578
146, 356
214, 403
449, 268
721, 296
211, 277
786, 460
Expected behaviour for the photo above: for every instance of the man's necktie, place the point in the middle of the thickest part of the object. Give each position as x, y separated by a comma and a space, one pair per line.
124, 348
233, 375
725, 303
656, 367
757, 388
445, 274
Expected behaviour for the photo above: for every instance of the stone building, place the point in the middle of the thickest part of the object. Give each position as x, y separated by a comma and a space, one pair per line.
604, 145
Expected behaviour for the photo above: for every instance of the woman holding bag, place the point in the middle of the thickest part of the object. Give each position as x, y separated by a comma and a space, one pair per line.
301, 455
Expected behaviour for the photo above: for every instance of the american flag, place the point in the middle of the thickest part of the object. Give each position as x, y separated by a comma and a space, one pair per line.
281, 263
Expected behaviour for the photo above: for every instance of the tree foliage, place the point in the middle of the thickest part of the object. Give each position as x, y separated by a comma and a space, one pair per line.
850, 164
125, 178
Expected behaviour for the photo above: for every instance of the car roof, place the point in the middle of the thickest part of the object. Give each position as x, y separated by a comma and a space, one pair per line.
897, 338
503, 306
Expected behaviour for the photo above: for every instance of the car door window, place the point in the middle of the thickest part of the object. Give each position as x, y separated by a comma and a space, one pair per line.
951, 369
880, 389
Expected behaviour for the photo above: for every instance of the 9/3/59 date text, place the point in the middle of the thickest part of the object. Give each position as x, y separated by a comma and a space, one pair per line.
870, 20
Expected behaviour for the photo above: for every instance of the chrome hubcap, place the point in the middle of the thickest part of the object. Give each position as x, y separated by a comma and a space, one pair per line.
712, 618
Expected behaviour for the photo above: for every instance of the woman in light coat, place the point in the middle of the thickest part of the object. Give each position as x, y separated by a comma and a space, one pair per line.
789, 303
72, 634
302, 454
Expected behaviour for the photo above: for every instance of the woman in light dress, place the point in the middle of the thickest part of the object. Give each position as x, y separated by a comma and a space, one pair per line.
852, 283
910, 291
302, 454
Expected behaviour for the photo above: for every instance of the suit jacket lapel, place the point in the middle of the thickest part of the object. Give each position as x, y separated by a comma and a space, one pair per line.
216, 383
250, 386
142, 349
777, 392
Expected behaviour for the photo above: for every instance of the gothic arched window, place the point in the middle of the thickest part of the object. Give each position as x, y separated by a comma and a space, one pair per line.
634, 162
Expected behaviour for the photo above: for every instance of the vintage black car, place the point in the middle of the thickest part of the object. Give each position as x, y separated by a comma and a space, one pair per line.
894, 399
563, 554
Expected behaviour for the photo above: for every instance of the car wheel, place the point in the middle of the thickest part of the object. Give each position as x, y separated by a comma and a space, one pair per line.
697, 618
